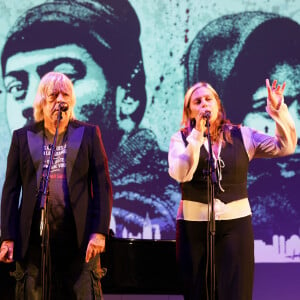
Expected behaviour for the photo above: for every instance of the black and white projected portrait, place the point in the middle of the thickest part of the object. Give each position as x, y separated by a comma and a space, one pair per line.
131, 62
96, 44
236, 53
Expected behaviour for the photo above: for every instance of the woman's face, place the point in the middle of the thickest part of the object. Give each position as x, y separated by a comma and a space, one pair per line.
202, 99
258, 118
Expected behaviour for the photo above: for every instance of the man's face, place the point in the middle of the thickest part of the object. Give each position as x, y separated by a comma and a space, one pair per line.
95, 98
55, 96
258, 117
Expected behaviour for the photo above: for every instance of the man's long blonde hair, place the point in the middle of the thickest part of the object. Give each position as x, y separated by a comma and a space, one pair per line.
52, 80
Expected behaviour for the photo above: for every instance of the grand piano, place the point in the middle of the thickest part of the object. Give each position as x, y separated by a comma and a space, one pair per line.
132, 266
140, 267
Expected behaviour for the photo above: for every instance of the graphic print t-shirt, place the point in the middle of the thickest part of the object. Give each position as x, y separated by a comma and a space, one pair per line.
60, 217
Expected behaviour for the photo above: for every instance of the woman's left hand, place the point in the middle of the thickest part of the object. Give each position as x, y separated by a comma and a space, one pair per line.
275, 93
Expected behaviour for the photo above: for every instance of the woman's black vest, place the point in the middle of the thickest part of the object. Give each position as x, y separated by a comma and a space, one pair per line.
234, 173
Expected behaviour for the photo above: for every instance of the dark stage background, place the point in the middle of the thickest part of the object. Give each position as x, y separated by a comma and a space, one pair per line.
131, 63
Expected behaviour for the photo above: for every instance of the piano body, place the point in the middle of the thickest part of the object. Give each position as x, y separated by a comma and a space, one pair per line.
140, 267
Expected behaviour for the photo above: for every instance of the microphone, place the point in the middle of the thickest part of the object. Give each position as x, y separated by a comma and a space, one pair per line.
207, 114
63, 106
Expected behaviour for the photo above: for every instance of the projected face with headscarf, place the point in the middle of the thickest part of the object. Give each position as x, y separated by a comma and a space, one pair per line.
84, 42
96, 44
236, 53
95, 96
270, 51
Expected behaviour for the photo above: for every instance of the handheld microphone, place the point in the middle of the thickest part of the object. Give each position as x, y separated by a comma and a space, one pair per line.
63, 106
207, 114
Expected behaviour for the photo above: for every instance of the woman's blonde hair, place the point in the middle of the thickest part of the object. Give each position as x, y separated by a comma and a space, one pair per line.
221, 119
54, 81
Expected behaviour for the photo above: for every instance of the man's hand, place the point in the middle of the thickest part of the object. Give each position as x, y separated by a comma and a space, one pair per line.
7, 251
96, 245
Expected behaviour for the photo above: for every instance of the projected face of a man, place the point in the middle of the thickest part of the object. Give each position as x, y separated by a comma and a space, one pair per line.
95, 98
258, 117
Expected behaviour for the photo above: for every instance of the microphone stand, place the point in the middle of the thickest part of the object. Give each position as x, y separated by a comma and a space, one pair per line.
212, 223
44, 226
